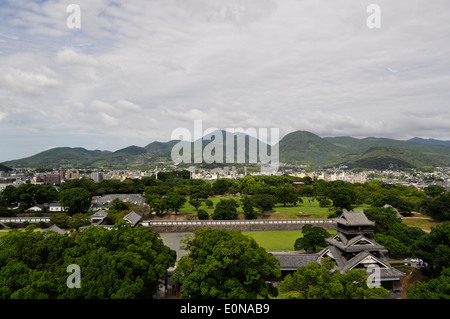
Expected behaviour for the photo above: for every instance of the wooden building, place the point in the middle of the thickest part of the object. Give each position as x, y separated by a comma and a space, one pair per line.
353, 247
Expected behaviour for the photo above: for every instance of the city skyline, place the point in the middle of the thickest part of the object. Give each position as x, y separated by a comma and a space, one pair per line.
134, 72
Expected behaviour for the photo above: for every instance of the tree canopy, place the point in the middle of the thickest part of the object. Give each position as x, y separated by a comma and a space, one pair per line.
313, 238
436, 288
225, 209
434, 248
123, 263
223, 264
315, 281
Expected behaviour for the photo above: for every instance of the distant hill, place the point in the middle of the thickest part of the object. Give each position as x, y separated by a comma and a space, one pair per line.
58, 157
299, 147
429, 141
302, 147
388, 158
4, 168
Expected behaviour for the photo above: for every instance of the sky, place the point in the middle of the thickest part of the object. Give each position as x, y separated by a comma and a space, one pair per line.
134, 71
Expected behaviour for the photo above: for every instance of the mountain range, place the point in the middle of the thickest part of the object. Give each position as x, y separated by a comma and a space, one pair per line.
299, 147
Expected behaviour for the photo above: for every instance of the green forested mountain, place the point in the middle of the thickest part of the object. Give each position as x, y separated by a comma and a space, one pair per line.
4, 168
302, 147
299, 147
57, 157
390, 157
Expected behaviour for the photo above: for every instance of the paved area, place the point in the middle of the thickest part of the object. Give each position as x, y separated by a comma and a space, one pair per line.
173, 240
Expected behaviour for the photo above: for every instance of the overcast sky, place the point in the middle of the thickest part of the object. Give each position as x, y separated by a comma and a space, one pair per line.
136, 70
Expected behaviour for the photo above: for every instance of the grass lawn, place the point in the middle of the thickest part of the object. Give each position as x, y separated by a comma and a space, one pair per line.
277, 239
308, 207
419, 220
188, 209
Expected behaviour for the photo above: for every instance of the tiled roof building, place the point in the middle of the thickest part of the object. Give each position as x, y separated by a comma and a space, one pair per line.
353, 247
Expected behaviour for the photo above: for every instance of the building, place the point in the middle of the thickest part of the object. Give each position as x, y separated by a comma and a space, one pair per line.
353, 247
99, 217
56, 229
52, 179
37, 208
133, 218
55, 207
71, 175
97, 177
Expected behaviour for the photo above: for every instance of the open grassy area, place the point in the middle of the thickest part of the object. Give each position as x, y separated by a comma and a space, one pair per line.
188, 209
419, 220
308, 209
277, 239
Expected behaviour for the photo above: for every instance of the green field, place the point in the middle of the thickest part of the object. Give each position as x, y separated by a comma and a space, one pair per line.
277, 239
308, 209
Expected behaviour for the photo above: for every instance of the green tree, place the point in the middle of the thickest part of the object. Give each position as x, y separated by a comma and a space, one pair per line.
75, 200
10, 194
434, 190
209, 203
62, 220
195, 202
174, 201
202, 214
121, 263
118, 205
434, 248
286, 194
79, 220
322, 282
405, 234
313, 238
223, 264
439, 207
156, 203
392, 198
324, 202
391, 243
436, 288
248, 203
85, 183
225, 209
264, 202
201, 191
220, 186
29, 261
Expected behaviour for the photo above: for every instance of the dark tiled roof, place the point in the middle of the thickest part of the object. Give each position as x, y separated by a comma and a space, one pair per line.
133, 218
99, 214
354, 219
56, 229
293, 260
353, 244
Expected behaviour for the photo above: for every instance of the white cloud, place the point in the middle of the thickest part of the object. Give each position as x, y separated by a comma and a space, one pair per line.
147, 67
26, 81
